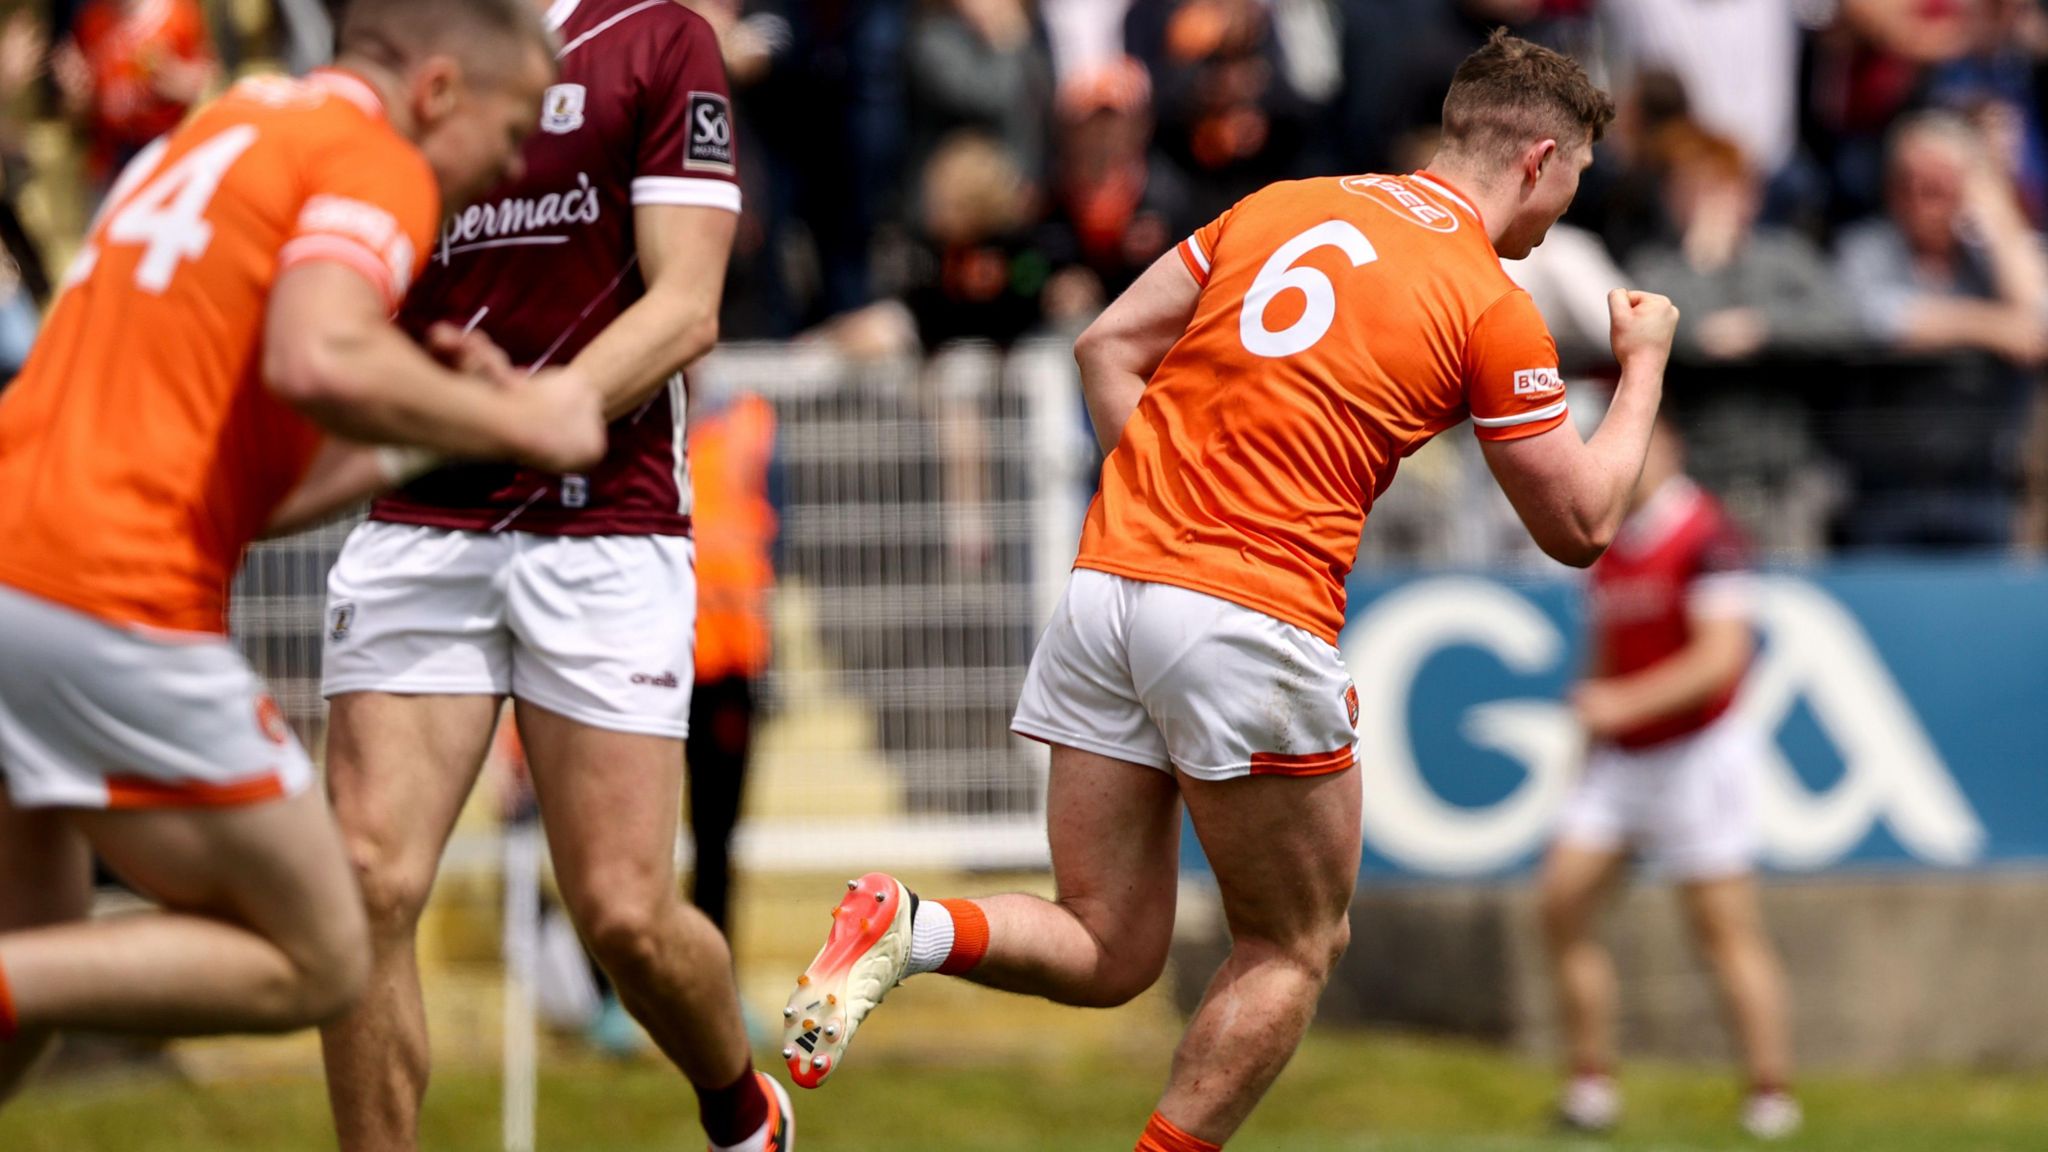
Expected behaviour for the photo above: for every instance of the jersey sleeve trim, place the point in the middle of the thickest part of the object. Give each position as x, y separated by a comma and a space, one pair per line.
686, 191
1722, 596
347, 253
1191, 254
1549, 412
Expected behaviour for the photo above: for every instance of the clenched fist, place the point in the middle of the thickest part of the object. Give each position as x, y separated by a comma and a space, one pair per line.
564, 421
1641, 327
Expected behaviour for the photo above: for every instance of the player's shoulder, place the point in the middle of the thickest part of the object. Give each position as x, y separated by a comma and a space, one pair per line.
666, 22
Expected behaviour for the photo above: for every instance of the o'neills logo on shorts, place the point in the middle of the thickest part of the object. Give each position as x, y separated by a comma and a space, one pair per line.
663, 680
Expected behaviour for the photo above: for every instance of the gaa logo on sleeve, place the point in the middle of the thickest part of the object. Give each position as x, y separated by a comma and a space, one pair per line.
1538, 381
710, 146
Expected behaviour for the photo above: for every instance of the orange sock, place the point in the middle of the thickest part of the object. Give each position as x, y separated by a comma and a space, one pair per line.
1161, 1136
8, 1024
970, 937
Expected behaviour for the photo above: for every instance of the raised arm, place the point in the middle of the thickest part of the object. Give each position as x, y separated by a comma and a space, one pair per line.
1571, 494
1119, 352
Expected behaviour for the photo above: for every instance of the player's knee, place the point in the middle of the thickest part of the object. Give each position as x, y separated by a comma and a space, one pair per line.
1563, 914
1311, 949
1123, 977
394, 890
335, 974
625, 936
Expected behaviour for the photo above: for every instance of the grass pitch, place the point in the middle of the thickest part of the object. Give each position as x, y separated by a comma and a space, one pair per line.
1344, 1093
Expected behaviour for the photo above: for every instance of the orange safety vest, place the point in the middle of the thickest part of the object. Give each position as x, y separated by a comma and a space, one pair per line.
734, 524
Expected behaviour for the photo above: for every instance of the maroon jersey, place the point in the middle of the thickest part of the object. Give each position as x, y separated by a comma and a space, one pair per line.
1676, 558
542, 264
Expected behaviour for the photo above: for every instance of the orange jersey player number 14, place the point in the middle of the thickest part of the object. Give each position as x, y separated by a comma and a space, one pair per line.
167, 214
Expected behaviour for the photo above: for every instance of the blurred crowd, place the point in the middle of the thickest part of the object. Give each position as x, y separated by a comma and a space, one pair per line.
1845, 197
1849, 193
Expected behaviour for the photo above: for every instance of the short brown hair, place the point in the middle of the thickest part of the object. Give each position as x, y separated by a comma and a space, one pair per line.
400, 33
1511, 93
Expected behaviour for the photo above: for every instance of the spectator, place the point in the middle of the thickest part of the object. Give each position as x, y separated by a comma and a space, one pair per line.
980, 65
1112, 207
1953, 268
1953, 265
1738, 61
1620, 195
1994, 85
818, 86
1864, 71
24, 284
1743, 290
976, 274
129, 72
1230, 117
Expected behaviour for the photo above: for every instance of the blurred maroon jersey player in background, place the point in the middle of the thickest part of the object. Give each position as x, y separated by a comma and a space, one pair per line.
572, 594
1671, 777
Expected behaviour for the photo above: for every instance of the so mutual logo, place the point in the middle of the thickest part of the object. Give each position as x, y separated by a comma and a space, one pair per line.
1814, 651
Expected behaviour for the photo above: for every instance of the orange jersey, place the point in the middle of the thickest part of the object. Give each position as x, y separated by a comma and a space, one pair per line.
140, 451
1342, 323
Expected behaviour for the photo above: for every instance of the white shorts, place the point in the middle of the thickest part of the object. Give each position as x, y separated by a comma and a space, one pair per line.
94, 715
1687, 807
1172, 678
600, 629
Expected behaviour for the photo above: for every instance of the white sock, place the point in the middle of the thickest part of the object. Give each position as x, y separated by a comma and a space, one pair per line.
931, 937
758, 1142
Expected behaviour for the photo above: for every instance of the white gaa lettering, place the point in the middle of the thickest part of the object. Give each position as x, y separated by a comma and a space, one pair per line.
517, 216
1815, 651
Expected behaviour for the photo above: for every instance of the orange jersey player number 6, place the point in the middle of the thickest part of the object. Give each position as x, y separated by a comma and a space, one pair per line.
1281, 271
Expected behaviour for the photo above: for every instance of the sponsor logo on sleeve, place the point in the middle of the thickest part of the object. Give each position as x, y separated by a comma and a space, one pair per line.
561, 110
366, 224
340, 620
710, 145
1538, 382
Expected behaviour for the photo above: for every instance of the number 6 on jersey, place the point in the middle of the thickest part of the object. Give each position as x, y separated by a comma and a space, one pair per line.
1279, 273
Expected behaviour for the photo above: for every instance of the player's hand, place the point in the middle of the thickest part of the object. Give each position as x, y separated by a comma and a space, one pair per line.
1602, 709
1641, 327
562, 418
472, 353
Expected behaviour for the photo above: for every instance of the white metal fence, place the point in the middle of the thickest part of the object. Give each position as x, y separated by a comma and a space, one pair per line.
928, 516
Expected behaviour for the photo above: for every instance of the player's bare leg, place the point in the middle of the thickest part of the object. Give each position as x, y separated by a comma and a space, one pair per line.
45, 878
1285, 855
1727, 921
398, 771
611, 803
1114, 831
262, 928
1576, 881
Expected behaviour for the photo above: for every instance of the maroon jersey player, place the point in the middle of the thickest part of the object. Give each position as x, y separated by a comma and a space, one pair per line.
571, 594
1671, 777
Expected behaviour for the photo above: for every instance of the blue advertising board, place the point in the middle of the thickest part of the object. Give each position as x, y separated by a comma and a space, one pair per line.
1906, 705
